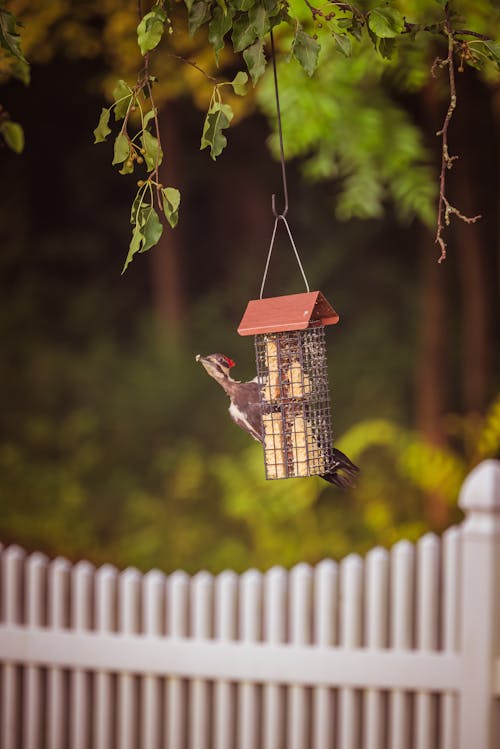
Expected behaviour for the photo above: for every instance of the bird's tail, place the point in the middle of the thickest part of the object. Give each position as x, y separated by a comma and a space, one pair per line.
342, 471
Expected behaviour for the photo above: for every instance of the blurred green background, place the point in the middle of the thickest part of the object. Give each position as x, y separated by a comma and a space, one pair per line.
114, 444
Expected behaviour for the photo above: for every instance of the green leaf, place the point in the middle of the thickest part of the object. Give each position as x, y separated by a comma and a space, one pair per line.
146, 232
10, 39
243, 34
200, 13
171, 201
151, 231
150, 29
242, 4
493, 51
217, 119
356, 29
386, 22
148, 117
255, 60
272, 7
121, 94
134, 246
386, 47
239, 83
305, 49
373, 38
136, 204
342, 44
152, 150
218, 27
257, 15
13, 135
122, 149
352, 26
102, 130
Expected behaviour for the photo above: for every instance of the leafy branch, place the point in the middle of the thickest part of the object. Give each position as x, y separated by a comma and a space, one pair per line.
152, 198
386, 23
142, 147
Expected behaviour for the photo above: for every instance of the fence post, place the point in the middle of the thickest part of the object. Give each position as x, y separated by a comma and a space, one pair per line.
480, 633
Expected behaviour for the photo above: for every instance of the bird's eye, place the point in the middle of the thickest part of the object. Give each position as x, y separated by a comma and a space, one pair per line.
230, 363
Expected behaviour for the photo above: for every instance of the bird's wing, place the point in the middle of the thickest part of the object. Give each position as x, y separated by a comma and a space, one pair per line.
250, 421
245, 409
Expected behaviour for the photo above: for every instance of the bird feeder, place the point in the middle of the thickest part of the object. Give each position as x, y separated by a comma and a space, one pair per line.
292, 375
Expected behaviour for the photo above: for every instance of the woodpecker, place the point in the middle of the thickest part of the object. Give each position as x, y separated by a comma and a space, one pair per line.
244, 409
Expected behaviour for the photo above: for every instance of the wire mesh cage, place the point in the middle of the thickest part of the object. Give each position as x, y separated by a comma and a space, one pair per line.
294, 402
292, 374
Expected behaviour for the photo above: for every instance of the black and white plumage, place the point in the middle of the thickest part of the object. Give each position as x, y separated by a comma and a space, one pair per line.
245, 411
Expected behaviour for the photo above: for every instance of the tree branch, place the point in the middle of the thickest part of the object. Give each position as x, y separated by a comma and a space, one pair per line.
445, 209
194, 65
466, 32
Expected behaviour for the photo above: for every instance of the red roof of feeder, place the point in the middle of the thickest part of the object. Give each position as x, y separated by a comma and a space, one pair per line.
291, 312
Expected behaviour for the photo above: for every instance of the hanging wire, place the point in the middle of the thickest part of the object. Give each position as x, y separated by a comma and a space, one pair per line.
276, 220
280, 133
280, 216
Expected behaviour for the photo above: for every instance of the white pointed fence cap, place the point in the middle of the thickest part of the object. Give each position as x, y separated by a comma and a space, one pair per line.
480, 498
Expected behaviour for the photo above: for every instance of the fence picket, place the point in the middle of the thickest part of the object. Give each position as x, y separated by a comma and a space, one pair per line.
153, 607
35, 616
226, 590
250, 622
275, 594
128, 623
450, 629
351, 576
177, 613
402, 614
325, 635
105, 622
427, 634
12, 585
80, 620
201, 621
376, 631
58, 619
300, 634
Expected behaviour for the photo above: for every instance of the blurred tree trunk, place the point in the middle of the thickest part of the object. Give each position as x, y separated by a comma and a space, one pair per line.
168, 289
495, 100
432, 382
432, 362
475, 293
468, 180
432, 368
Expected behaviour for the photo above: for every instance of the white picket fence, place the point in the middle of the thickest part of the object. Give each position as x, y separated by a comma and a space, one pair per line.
397, 651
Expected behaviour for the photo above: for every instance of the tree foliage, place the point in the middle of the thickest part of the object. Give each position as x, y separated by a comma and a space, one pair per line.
344, 122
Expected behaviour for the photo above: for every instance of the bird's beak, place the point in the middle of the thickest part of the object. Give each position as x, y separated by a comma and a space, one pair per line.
204, 360
207, 364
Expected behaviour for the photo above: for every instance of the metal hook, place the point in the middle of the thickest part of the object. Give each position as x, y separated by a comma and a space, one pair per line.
280, 133
280, 216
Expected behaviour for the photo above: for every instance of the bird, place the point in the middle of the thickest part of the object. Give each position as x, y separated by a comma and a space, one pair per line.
245, 411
